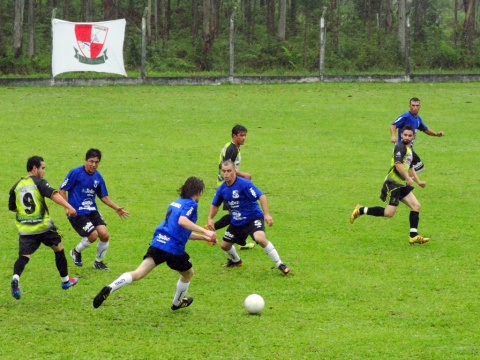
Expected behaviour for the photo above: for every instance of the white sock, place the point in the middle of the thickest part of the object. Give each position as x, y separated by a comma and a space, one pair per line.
124, 279
101, 250
16, 277
272, 253
83, 244
232, 254
65, 278
180, 292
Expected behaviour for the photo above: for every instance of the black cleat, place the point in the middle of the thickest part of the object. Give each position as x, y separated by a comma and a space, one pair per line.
101, 296
183, 304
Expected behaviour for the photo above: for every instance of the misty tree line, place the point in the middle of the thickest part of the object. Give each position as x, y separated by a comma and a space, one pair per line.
192, 35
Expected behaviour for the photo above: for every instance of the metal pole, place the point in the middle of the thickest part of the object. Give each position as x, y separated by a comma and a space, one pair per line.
144, 44
232, 46
322, 43
54, 13
407, 46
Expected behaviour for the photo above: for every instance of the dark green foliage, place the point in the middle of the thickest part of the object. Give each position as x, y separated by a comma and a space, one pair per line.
363, 44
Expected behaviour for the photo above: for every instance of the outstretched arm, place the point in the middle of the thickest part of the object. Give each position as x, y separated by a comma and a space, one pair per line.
190, 225
60, 200
433, 133
211, 214
393, 133
119, 210
266, 213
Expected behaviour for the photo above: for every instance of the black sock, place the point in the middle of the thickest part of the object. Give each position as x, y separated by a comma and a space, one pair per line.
20, 264
61, 263
414, 220
374, 211
224, 221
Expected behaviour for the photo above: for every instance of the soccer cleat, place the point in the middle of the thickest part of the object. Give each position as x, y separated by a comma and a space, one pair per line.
101, 296
183, 304
68, 284
231, 263
284, 268
15, 289
418, 240
100, 265
246, 246
76, 256
355, 213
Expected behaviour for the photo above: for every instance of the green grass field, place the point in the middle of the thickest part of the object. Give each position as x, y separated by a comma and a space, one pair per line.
355, 291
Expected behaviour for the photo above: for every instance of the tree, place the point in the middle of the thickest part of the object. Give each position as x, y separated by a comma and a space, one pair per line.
31, 28
18, 27
469, 23
402, 24
282, 20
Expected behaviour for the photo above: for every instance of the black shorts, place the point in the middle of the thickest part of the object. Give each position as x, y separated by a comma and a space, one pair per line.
28, 244
417, 163
84, 225
393, 192
180, 263
238, 234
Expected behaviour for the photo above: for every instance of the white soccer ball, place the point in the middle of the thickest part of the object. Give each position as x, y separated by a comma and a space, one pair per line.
254, 303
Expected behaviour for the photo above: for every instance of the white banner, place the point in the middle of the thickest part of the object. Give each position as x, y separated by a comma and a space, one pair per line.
88, 46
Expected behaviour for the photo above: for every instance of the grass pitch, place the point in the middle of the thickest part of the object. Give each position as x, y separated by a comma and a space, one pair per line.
355, 291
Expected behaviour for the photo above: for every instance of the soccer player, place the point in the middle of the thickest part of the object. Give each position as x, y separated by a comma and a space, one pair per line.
415, 121
35, 227
231, 151
168, 245
246, 218
397, 187
83, 184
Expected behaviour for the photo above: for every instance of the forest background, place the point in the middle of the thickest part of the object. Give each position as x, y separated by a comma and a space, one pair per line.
272, 37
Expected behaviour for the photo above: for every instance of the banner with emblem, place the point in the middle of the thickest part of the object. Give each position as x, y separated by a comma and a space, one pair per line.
94, 46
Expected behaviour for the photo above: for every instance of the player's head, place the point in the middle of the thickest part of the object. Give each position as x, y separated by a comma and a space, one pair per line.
93, 153
37, 165
92, 159
192, 187
239, 134
408, 134
414, 105
228, 171
237, 129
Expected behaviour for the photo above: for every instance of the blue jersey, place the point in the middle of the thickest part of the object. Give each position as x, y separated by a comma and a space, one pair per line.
241, 197
408, 119
82, 188
171, 237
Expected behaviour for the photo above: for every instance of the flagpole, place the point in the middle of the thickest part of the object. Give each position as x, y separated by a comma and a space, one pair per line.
52, 79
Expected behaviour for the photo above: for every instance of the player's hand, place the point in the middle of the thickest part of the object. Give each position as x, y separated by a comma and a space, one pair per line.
70, 211
210, 237
409, 180
268, 219
422, 184
394, 139
122, 213
440, 133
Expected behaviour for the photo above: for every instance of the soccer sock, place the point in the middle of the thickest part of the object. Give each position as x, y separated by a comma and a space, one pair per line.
272, 253
232, 254
124, 279
373, 211
101, 250
20, 264
414, 219
180, 292
83, 244
224, 221
61, 262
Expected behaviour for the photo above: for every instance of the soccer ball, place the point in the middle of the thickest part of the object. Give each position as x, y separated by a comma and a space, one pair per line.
254, 304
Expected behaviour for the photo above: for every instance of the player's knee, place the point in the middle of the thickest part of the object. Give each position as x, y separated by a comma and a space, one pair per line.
389, 213
416, 207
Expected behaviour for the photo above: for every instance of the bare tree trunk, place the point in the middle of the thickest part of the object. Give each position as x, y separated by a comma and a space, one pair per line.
401, 25
88, 10
271, 17
389, 15
66, 10
31, 28
194, 21
282, 19
455, 23
469, 23
18, 27
208, 32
